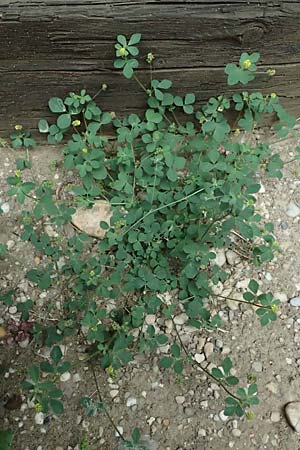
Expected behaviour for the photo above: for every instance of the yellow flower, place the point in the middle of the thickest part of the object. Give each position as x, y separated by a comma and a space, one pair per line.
275, 308
113, 115
85, 150
92, 274
104, 87
237, 132
250, 415
247, 63
271, 72
76, 123
38, 407
122, 51
111, 371
18, 173
18, 127
150, 58
273, 95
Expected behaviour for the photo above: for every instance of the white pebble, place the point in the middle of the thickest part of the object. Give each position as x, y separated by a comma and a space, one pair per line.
236, 432
180, 319
113, 393
120, 429
10, 244
131, 401
199, 358
5, 207
275, 416
180, 399
65, 377
39, 418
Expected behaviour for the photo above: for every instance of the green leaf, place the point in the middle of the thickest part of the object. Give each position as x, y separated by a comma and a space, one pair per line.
56, 354
56, 406
175, 350
43, 126
217, 373
64, 121
189, 99
56, 105
45, 366
231, 380
6, 439
227, 365
135, 39
166, 362
165, 84
253, 286
172, 175
122, 40
34, 374
178, 366
153, 116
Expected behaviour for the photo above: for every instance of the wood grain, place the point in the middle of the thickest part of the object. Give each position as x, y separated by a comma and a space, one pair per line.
49, 47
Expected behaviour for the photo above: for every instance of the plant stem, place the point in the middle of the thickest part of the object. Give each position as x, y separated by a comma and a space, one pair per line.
240, 301
201, 367
105, 410
140, 83
162, 207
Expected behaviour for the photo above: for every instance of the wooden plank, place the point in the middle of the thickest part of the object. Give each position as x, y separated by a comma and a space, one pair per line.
49, 47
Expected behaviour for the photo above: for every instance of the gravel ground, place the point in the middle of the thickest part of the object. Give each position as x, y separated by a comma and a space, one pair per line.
173, 413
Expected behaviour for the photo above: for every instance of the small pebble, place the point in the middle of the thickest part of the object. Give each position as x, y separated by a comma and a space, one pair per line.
121, 431
180, 319
295, 301
10, 244
292, 210
236, 432
199, 358
202, 432
113, 393
180, 399
292, 411
223, 417
208, 349
131, 401
65, 377
275, 416
284, 225
5, 207
39, 418
257, 366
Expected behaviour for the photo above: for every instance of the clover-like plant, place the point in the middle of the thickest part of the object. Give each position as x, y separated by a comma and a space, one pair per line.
179, 186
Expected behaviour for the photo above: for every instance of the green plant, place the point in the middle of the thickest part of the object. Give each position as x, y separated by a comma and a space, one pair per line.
6, 439
179, 185
21, 138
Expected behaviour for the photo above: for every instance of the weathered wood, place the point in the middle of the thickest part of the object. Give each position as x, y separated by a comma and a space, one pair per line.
49, 47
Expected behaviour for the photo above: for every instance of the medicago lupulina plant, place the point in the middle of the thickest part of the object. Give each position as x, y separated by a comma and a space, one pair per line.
179, 186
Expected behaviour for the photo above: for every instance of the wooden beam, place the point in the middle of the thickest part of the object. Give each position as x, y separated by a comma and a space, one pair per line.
51, 47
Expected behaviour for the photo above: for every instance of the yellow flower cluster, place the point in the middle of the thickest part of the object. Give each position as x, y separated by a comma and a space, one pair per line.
247, 63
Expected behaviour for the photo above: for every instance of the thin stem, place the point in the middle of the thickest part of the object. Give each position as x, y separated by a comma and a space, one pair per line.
100, 395
140, 83
105, 410
162, 207
154, 184
207, 372
290, 161
176, 120
240, 301
31, 197
134, 163
97, 93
